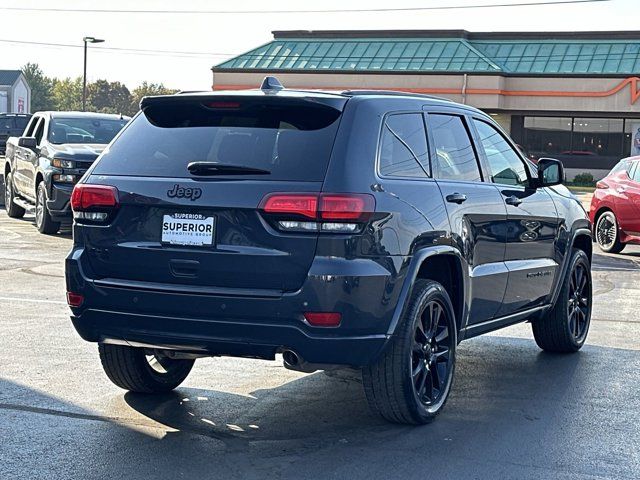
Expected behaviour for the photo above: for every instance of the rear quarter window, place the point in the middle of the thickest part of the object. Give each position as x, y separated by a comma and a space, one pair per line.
293, 141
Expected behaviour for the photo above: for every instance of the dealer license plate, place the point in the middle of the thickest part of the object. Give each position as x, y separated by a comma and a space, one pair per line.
188, 229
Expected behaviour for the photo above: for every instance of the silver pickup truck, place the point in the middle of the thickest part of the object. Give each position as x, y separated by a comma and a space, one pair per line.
42, 166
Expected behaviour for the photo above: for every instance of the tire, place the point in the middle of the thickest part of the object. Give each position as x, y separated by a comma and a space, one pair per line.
607, 233
392, 383
44, 222
13, 210
131, 368
564, 328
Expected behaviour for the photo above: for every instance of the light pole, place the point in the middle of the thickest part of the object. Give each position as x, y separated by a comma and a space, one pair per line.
86, 40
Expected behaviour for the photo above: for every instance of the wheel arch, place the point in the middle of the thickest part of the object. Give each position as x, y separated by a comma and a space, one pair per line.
443, 264
603, 208
584, 242
581, 238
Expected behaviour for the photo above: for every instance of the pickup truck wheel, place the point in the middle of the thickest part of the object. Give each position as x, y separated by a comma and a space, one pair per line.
136, 370
43, 218
13, 210
564, 328
411, 382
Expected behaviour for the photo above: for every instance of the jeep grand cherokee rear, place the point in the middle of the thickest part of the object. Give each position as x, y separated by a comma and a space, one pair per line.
351, 230
205, 230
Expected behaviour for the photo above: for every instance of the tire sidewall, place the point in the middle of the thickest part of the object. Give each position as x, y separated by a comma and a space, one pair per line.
8, 185
578, 257
41, 191
431, 291
616, 241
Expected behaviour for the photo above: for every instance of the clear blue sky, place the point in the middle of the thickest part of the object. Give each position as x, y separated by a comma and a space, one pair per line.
222, 35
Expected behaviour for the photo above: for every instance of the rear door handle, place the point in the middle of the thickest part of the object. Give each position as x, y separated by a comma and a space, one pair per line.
513, 200
621, 189
456, 198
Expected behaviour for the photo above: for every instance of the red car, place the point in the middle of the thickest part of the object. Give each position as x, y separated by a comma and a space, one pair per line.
615, 206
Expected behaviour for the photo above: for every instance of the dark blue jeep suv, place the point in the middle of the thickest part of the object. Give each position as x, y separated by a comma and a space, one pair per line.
364, 229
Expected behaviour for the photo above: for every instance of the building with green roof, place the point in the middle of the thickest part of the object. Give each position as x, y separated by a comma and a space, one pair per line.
571, 95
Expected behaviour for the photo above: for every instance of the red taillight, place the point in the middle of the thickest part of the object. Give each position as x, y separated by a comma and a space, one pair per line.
85, 197
602, 185
74, 299
325, 206
323, 319
305, 205
345, 207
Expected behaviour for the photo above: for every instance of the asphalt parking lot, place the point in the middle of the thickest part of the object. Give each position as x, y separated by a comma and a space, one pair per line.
515, 412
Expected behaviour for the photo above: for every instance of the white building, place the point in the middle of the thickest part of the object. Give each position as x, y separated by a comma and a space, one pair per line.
15, 93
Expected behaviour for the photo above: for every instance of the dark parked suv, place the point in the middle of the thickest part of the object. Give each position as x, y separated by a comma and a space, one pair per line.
362, 229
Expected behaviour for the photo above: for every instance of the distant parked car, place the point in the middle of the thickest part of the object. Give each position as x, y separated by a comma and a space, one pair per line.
53, 153
11, 125
615, 206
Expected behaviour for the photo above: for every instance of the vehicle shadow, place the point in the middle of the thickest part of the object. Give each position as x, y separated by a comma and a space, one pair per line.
515, 412
508, 397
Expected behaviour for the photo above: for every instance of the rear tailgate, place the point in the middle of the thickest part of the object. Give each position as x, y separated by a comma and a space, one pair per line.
159, 234
246, 253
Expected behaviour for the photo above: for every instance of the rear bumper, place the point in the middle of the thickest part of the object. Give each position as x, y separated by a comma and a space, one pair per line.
248, 324
225, 337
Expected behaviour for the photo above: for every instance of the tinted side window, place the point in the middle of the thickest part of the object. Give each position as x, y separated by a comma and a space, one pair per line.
403, 149
39, 132
455, 157
631, 167
505, 165
29, 131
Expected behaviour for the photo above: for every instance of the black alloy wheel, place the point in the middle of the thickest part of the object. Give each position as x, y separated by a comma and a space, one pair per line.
411, 381
431, 359
564, 328
579, 302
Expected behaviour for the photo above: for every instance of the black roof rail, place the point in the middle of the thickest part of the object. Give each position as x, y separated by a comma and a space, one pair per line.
395, 93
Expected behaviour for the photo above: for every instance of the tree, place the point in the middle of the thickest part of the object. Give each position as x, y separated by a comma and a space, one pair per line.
41, 88
109, 97
147, 90
67, 94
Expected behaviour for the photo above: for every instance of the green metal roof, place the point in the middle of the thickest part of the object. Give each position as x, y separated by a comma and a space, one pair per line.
577, 57
457, 55
347, 54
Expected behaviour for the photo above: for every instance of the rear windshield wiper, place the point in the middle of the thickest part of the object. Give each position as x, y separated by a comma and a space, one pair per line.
213, 168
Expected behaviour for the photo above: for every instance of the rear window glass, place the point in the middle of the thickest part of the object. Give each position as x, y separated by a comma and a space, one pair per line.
13, 123
84, 130
21, 122
293, 141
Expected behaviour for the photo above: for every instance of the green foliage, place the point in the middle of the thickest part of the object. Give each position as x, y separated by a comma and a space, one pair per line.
41, 87
147, 90
102, 96
108, 97
584, 179
67, 94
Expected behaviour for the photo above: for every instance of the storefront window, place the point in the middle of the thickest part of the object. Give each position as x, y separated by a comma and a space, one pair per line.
631, 146
592, 143
598, 141
546, 136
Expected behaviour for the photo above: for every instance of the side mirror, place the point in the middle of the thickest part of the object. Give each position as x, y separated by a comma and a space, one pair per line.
550, 172
27, 142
